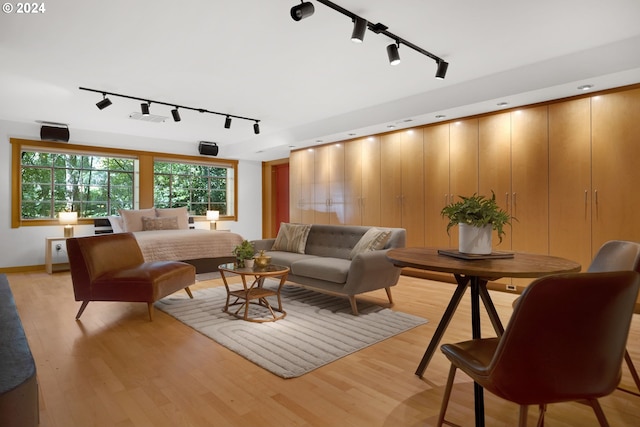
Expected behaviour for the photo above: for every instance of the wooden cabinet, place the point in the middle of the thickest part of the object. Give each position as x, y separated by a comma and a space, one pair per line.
301, 187
436, 185
328, 192
362, 181
570, 192
295, 190
615, 166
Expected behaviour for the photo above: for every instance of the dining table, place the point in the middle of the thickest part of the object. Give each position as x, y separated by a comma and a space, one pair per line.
475, 271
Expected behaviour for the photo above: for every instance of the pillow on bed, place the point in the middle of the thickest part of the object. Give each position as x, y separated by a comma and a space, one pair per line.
165, 223
132, 219
182, 214
292, 238
117, 224
374, 239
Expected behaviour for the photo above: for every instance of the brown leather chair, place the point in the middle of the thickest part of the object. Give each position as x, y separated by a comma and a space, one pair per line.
618, 255
554, 350
110, 267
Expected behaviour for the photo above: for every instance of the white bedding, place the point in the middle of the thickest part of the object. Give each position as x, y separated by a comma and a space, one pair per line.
181, 245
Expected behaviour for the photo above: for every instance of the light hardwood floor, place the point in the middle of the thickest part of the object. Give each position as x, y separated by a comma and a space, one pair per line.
115, 368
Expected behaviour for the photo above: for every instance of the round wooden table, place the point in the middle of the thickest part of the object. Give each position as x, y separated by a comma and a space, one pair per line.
475, 271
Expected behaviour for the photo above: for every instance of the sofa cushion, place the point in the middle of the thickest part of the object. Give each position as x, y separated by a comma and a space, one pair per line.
373, 240
329, 269
286, 258
292, 238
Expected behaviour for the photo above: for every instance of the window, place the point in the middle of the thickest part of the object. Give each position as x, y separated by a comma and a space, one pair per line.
96, 182
93, 186
199, 187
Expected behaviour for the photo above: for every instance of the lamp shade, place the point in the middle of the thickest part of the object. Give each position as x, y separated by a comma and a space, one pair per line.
68, 218
213, 215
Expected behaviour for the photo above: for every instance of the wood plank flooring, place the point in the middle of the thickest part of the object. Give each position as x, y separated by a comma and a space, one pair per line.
115, 368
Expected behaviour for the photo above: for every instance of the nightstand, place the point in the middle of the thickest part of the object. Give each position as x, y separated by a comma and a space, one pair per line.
49, 266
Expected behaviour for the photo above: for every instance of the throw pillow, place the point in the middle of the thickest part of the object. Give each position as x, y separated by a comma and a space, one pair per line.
166, 223
292, 238
374, 239
132, 219
182, 215
117, 224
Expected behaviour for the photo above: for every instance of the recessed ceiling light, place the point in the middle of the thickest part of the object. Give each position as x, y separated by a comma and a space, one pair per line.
391, 126
502, 104
352, 134
585, 87
440, 116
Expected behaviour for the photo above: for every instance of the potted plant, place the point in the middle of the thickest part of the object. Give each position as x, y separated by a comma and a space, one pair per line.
476, 216
243, 252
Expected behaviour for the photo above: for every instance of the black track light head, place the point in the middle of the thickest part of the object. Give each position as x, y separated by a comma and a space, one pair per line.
393, 54
359, 29
104, 103
176, 115
256, 128
301, 11
442, 69
227, 122
144, 107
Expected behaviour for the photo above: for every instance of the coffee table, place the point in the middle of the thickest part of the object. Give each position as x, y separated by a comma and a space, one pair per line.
254, 293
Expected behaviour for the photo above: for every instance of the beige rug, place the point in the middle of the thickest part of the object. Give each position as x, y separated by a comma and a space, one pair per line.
317, 330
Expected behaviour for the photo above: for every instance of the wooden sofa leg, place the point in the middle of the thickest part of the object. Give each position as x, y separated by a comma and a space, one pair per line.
354, 306
388, 289
189, 292
82, 307
150, 306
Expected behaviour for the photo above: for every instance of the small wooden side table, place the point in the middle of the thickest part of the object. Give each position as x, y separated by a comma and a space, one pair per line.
254, 291
48, 255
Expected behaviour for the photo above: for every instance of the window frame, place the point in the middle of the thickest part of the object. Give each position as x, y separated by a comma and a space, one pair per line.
145, 178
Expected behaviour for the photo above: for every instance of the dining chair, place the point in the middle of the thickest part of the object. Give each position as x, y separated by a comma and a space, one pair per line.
618, 255
554, 350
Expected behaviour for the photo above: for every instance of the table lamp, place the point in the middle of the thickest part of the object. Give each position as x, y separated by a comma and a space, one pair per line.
69, 219
213, 216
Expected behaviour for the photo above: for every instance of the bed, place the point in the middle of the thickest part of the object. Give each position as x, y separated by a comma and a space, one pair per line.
169, 235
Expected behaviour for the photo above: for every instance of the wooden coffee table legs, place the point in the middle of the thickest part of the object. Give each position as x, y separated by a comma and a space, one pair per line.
254, 294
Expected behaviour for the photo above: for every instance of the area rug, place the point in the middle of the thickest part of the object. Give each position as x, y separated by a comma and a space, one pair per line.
318, 329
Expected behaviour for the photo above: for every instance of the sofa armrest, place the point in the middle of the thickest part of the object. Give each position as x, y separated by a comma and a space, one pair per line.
263, 244
371, 271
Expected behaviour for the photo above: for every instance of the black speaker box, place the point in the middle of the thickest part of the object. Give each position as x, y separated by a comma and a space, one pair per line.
208, 148
54, 133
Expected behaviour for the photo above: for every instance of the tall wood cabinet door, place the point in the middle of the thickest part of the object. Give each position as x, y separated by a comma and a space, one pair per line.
494, 175
530, 180
463, 163
391, 182
372, 175
295, 190
336, 184
307, 179
615, 167
413, 185
436, 185
570, 180
321, 170
353, 182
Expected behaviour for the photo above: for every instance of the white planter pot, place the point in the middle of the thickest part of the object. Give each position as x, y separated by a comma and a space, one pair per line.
474, 240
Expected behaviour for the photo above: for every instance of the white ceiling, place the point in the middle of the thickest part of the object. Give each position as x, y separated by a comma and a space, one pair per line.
305, 81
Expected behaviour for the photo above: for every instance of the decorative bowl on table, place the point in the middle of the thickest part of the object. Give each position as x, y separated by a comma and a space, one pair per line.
262, 260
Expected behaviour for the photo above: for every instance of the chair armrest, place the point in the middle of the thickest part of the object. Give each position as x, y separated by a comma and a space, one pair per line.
371, 271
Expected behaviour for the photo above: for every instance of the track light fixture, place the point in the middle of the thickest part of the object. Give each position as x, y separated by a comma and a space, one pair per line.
146, 103
393, 54
176, 115
301, 11
305, 9
442, 70
104, 103
359, 29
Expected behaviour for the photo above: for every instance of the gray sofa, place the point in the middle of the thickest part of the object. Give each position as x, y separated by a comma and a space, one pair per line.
326, 264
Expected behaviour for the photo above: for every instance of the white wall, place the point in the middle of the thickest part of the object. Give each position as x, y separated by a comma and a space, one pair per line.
25, 246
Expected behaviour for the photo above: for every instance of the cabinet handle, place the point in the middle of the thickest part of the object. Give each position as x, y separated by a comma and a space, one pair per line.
586, 204
514, 200
506, 200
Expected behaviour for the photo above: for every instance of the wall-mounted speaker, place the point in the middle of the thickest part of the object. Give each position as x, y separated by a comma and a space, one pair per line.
54, 133
208, 148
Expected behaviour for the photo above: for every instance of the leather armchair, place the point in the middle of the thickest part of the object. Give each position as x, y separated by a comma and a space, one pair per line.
111, 267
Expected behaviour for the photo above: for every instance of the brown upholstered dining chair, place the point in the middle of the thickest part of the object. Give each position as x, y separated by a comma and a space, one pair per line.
618, 255
111, 267
554, 350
